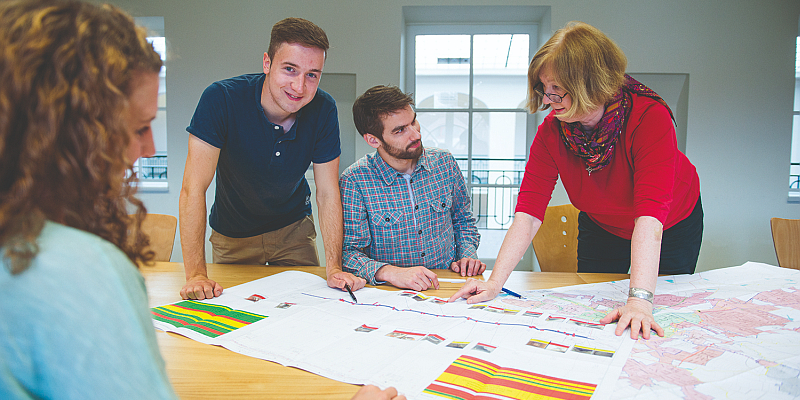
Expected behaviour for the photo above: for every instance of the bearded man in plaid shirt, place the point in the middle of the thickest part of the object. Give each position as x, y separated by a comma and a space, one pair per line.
406, 207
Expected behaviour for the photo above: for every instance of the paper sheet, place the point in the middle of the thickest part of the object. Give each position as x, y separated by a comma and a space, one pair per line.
405, 339
730, 333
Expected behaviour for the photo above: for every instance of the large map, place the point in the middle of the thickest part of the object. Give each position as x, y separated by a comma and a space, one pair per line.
422, 345
730, 333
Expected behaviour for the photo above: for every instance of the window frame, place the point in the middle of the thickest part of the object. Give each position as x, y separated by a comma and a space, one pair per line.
531, 120
794, 152
155, 29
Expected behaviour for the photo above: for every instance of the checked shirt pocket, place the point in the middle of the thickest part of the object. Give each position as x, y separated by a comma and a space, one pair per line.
386, 226
442, 204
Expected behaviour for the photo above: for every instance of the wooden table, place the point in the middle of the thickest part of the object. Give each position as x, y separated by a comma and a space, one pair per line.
197, 370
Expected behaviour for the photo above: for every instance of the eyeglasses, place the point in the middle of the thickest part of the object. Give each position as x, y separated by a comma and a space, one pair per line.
552, 96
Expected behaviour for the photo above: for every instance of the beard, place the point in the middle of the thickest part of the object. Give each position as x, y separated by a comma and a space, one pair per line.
404, 154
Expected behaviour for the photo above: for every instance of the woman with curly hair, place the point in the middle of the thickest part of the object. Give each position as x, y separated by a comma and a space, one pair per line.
78, 90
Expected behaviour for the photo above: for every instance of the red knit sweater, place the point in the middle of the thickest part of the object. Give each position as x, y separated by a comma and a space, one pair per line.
647, 175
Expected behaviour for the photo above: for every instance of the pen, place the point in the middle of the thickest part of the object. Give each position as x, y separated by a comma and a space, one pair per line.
347, 286
511, 293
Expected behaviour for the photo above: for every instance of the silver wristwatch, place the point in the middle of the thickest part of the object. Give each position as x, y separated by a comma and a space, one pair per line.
640, 293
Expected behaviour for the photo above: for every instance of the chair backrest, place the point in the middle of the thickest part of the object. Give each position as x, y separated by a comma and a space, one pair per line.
556, 242
161, 229
786, 237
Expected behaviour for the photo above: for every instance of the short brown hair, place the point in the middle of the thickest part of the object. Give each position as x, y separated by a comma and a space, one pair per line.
297, 31
585, 62
65, 76
374, 104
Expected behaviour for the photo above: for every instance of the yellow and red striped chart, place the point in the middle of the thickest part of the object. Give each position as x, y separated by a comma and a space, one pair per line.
473, 378
207, 319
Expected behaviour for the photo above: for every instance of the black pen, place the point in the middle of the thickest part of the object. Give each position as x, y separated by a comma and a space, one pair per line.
346, 286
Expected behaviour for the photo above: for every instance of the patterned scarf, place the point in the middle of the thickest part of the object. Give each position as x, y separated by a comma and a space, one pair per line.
596, 146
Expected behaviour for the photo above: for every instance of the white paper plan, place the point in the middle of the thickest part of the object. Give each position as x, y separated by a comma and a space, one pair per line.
408, 340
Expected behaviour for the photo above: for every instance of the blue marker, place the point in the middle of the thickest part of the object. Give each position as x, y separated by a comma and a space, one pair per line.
511, 293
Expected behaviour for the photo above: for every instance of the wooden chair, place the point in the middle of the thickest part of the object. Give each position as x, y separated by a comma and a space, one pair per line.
786, 238
161, 229
556, 242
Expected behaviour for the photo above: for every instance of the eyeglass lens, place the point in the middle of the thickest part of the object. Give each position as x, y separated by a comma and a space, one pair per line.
552, 96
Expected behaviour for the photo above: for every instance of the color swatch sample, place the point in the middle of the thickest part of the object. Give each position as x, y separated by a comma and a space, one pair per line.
208, 319
473, 378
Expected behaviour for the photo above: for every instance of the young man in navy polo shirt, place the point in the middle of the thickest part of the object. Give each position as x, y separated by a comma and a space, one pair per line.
259, 133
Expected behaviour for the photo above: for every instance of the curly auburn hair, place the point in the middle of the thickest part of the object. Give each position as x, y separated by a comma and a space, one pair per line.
66, 71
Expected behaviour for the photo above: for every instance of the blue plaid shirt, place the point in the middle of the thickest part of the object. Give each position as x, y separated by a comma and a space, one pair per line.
379, 215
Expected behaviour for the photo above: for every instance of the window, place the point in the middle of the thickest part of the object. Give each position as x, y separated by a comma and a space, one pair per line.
469, 80
152, 171
794, 166
470, 91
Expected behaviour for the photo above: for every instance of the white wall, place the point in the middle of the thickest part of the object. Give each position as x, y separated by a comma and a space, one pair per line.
739, 56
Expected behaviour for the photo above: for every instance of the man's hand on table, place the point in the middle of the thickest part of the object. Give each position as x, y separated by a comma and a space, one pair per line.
370, 392
338, 278
200, 287
476, 291
468, 266
414, 278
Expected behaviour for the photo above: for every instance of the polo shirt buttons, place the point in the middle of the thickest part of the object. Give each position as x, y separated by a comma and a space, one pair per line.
277, 127
277, 154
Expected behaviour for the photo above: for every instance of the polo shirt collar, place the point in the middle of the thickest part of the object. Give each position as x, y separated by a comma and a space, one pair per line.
286, 135
389, 174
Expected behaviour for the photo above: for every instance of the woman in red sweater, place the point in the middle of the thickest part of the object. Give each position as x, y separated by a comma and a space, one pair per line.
612, 141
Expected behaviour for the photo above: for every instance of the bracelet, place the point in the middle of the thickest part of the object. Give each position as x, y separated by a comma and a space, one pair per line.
640, 293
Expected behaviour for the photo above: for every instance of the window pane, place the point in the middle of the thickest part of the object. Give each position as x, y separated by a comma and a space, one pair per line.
797, 93
493, 207
446, 130
442, 71
794, 167
498, 147
500, 71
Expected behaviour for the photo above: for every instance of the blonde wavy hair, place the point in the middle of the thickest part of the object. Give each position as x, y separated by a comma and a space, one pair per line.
65, 76
585, 63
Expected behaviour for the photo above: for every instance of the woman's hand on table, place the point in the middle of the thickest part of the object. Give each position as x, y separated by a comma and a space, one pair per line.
370, 392
638, 314
476, 291
200, 287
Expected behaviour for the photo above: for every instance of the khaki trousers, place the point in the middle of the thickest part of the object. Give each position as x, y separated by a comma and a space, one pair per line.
293, 245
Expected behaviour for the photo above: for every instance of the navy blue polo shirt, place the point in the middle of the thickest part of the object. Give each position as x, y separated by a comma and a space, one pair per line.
261, 184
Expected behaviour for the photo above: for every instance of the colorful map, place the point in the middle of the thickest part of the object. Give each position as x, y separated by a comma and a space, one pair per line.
730, 333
